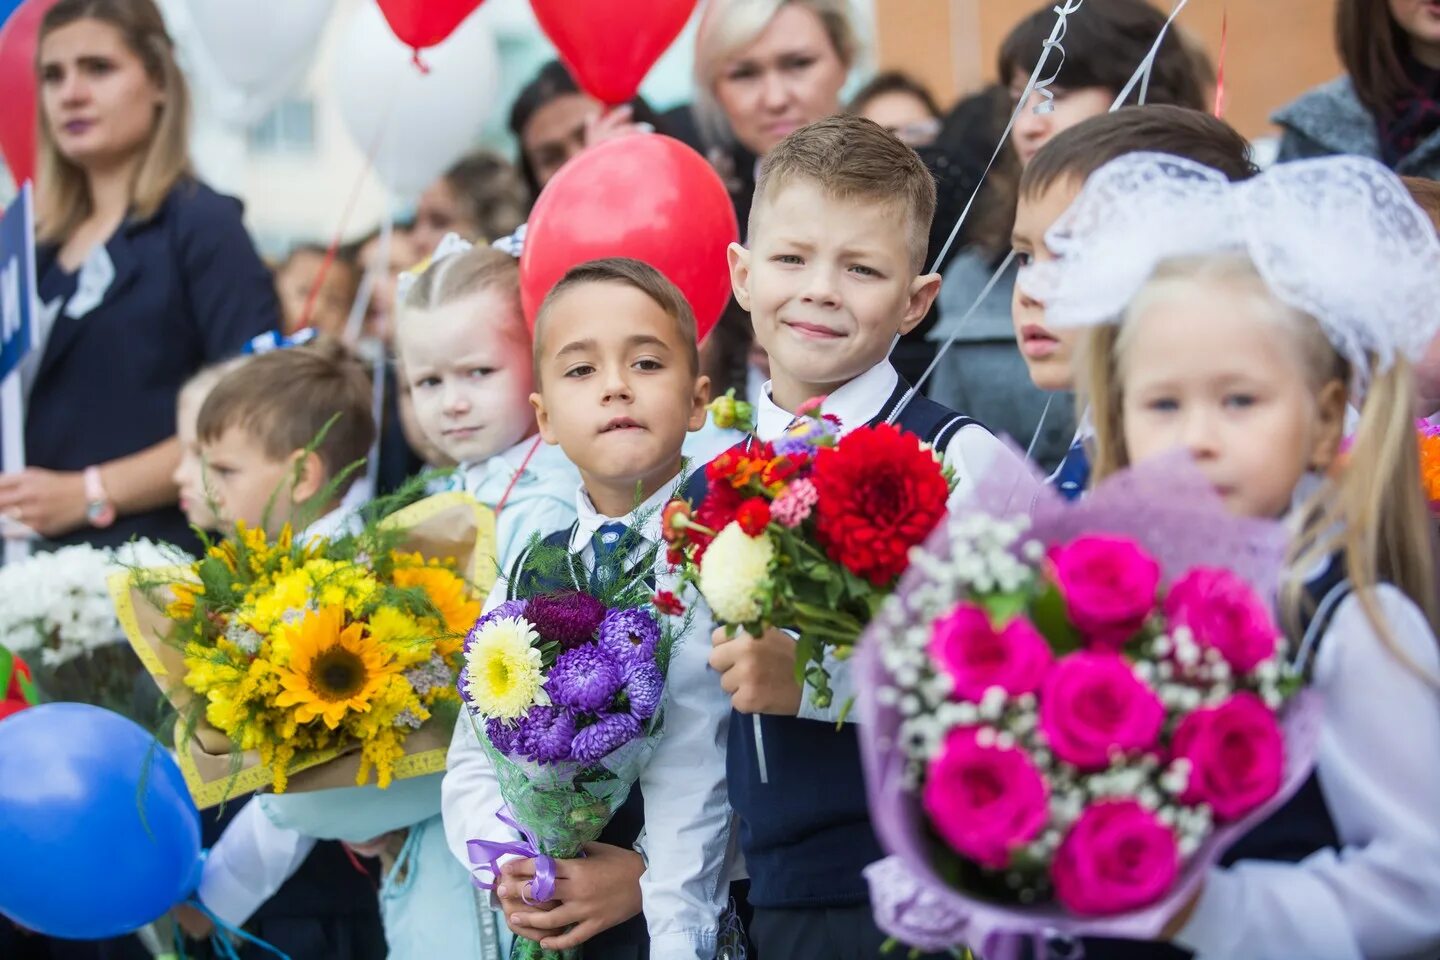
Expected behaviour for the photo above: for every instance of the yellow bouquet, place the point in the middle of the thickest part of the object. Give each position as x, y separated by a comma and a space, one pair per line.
334, 658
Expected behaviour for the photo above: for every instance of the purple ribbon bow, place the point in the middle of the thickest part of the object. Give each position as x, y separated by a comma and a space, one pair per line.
486, 854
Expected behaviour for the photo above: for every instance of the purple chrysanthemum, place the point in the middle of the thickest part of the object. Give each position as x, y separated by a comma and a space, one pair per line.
804, 437
504, 736
629, 635
568, 618
510, 608
604, 736
545, 733
586, 678
644, 684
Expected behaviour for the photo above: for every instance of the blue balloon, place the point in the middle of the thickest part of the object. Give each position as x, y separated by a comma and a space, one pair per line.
77, 860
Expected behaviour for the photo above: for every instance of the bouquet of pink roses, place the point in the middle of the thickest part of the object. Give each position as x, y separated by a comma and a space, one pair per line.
1070, 714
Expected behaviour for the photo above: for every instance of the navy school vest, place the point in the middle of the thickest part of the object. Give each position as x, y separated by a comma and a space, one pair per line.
806, 833
1299, 828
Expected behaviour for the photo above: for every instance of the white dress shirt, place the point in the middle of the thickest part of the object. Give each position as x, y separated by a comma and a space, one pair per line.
972, 452
687, 814
1379, 895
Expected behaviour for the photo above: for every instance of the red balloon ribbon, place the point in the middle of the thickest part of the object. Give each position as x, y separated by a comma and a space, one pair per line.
609, 45
643, 196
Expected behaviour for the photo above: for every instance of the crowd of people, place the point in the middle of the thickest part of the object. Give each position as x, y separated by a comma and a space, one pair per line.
176, 385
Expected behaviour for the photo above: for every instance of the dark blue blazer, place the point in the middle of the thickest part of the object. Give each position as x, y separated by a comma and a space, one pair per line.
189, 290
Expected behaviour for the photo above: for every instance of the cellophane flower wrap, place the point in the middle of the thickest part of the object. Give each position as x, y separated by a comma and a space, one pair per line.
1068, 711
55, 608
288, 654
565, 686
809, 533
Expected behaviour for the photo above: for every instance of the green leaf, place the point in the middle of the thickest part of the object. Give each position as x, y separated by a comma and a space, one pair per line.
1004, 607
1048, 613
807, 651
7, 667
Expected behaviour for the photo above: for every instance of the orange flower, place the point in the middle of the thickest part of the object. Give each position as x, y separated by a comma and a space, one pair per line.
1430, 463
445, 590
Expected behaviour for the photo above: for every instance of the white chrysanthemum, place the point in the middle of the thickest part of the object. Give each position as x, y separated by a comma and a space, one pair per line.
503, 676
730, 575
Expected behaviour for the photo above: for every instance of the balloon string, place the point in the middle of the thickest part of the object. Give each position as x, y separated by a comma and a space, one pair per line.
505, 497
334, 248
220, 940
1220, 66
420, 64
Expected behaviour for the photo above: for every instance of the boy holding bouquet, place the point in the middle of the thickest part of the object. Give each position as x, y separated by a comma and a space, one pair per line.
831, 278
619, 399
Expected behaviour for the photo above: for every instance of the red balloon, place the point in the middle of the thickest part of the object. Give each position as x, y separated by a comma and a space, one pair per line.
643, 196
425, 23
609, 45
18, 41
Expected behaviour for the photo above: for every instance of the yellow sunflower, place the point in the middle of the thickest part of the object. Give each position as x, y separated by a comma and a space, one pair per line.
446, 591
182, 607
333, 669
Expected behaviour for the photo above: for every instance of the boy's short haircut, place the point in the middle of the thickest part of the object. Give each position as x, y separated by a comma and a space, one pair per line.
285, 398
1079, 151
1104, 45
630, 273
852, 158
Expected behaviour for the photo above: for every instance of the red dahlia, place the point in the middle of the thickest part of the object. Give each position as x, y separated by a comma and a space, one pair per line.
881, 493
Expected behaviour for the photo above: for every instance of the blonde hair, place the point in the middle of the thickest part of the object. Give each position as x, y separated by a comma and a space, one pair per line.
442, 282
727, 26
1372, 509
853, 158
63, 194
202, 381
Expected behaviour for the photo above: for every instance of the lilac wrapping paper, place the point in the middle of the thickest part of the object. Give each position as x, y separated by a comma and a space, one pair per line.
1169, 508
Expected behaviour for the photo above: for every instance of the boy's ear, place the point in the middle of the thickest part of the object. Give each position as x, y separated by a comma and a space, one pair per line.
1334, 397
923, 291
542, 419
739, 259
699, 402
309, 472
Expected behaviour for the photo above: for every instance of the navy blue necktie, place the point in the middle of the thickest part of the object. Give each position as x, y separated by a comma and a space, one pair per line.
1074, 474
609, 539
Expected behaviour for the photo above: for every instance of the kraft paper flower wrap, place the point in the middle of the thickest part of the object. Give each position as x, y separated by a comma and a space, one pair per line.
1028, 872
442, 547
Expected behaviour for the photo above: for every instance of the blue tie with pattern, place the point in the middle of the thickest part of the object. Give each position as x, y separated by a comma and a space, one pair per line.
1074, 473
608, 540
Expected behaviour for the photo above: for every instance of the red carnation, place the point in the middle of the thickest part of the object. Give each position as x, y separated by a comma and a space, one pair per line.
668, 604
715, 512
754, 516
881, 493
722, 467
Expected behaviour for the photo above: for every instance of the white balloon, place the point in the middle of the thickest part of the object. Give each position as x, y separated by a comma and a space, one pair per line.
262, 48
424, 121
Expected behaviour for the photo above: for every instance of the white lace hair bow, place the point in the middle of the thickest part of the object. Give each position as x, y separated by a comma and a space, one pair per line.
453, 243
1338, 237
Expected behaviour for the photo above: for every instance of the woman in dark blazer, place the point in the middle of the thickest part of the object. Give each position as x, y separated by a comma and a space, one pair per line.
145, 275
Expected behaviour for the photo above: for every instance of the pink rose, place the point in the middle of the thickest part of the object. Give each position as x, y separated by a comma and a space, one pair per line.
977, 656
1109, 586
1093, 704
985, 801
1223, 612
1117, 857
1236, 754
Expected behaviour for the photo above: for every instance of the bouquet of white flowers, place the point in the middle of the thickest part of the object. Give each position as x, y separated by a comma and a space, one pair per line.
55, 610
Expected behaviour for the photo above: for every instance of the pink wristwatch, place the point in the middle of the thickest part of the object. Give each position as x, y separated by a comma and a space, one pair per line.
98, 508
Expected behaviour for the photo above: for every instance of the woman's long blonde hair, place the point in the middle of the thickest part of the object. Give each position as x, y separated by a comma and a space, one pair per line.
729, 25
1372, 507
63, 192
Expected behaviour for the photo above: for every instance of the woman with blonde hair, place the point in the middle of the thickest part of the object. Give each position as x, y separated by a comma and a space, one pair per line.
145, 275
